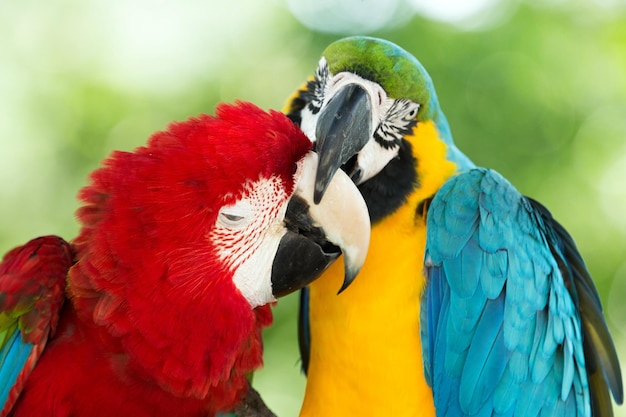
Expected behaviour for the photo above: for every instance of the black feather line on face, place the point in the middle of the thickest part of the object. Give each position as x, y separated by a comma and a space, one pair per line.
387, 140
316, 88
399, 121
312, 96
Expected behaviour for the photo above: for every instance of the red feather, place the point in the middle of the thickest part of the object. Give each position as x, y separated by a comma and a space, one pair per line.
155, 325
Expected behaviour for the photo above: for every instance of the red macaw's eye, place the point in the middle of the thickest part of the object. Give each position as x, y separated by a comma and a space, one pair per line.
237, 215
232, 217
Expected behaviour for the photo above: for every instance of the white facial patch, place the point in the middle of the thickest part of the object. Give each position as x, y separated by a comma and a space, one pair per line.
247, 234
373, 158
308, 123
253, 276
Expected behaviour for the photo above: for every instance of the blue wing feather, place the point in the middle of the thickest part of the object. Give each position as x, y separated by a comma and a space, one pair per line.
433, 304
510, 309
13, 357
488, 359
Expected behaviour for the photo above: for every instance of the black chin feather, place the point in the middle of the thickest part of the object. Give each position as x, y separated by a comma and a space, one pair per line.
388, 190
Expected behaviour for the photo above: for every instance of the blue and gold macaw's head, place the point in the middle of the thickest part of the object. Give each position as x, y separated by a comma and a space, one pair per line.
363, 109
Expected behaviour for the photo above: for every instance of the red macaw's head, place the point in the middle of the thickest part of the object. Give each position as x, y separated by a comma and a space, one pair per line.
185, 241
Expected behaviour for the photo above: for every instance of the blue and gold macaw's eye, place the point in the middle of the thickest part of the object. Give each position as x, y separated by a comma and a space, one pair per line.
316, 88
399, 121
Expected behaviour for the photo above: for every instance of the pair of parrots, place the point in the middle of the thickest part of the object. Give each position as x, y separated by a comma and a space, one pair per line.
472, 300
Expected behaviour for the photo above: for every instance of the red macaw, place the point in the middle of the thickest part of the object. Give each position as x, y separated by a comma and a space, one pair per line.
156, 308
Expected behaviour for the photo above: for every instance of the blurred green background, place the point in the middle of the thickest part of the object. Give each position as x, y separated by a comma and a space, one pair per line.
535, 89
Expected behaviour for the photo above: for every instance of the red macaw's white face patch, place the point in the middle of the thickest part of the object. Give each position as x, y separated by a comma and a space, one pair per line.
248, 233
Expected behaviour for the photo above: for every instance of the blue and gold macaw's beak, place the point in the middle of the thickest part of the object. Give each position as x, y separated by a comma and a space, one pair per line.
343, 128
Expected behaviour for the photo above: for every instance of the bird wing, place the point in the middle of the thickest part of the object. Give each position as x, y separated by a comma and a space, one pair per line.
511, 321
32, 285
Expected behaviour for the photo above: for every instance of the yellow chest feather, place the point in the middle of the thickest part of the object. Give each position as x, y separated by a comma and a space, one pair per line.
366, 351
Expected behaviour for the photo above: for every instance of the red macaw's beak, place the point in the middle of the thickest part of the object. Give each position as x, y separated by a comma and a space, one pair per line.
318, 233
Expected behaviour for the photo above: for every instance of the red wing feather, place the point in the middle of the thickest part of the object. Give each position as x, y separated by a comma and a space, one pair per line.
32, 292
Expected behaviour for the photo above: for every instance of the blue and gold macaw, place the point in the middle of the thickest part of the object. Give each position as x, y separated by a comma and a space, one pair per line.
473, 300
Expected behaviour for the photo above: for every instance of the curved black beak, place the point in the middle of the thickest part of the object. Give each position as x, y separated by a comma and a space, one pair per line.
318, 233
343, 129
